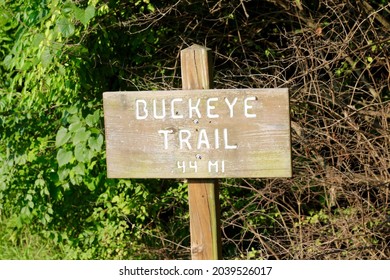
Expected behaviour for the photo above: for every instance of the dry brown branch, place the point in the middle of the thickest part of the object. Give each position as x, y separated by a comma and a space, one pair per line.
336, 61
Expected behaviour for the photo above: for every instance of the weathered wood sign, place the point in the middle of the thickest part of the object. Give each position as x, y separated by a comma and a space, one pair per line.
198, 133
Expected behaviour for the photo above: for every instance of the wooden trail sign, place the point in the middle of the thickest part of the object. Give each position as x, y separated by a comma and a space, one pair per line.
198, 133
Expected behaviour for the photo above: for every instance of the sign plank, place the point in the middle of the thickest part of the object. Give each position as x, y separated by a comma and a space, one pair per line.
219, 133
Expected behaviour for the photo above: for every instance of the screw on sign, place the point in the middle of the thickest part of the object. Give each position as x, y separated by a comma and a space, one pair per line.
199, 134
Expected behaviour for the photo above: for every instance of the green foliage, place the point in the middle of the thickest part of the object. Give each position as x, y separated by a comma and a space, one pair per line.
25, 245
53, 172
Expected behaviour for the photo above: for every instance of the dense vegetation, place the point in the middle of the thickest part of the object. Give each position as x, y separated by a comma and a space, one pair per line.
57, 57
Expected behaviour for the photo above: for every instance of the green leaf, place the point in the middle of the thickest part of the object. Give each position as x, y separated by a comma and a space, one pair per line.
89, 14
68, 8
94, 130
150, 8
75, 126
8, 62
93, 119
81, 135
44, 191
37, 39
30, 204
65, 27
73, 119
79, 169
64, 157
75, 179
63, 174
66, 186
90, 183
84, 16
72, 110
46, 57
61, 70
62, 137
25, 211
81, 153
47, 218
96, 143
78, 13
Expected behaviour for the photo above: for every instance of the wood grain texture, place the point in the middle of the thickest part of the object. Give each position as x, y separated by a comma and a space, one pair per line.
203, 194
251, 138
205, 228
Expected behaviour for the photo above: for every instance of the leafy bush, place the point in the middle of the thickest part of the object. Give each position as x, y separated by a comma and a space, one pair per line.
53, 173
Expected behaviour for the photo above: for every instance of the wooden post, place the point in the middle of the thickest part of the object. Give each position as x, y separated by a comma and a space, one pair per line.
203, 194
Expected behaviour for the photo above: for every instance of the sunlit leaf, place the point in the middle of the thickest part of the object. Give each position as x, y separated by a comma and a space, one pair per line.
81, 153
46, 57
62, 137
84, 16
65, 27
96, 143
64, 157
81, 135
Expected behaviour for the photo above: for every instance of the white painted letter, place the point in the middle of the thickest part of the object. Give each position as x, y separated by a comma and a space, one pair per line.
194, 108
231, 105
216, 166
137, 109
213, 164
202, 139
184, 139
211, 107
165, 132
247, 106
194, 165
175, 114
163, 113
182, 166
225, 138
